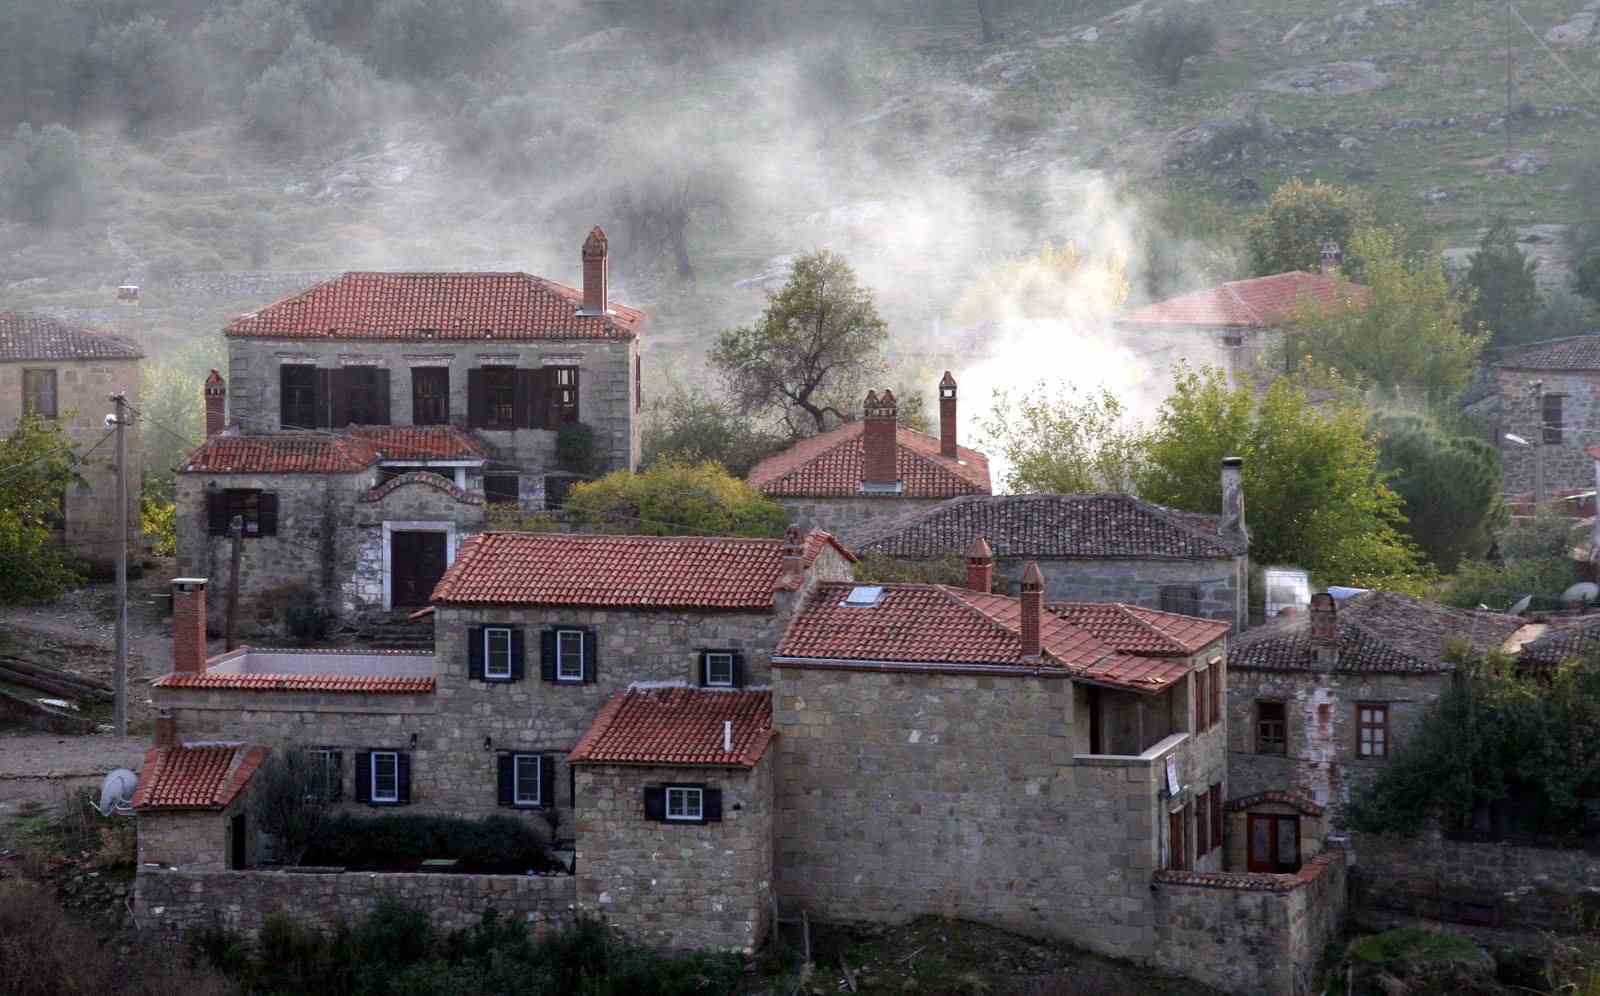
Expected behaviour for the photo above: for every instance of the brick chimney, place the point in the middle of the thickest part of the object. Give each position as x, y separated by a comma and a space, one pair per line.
189, 625
879, 471
794, 552
166, 729
980, 566
1032, 608
1231, 524
1331, 259
594, 273
216, 403
947, 416
1324, 627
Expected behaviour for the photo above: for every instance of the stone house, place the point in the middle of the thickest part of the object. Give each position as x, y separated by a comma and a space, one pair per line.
851, 478
191, 801
1319, 702
1107, 547
1547, 395
67, 373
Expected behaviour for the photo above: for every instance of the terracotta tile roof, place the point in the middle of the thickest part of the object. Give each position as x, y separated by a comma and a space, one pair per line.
1295, 799
678, 726
25, 336
1254, 881
352, 684
660, 572
1376, 631
195, 777
1578, 352
1132, 629
829, 466
421, 442
1566, 640
1259, 302
422, 478
281, 453
1105, 525
436, 306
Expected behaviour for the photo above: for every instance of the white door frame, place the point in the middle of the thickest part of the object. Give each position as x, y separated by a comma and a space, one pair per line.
390, 528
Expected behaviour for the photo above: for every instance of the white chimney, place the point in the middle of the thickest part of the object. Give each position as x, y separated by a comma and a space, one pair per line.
727, 736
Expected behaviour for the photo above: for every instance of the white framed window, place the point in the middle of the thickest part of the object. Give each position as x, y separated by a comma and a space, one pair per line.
525, 787
685, 804
328, 765
385, 776
496, 653
719, 670
569, 655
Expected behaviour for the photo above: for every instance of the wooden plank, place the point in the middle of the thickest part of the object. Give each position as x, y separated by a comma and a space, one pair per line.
45, 671
52, 686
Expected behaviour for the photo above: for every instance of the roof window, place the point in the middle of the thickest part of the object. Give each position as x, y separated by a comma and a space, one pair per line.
864, 595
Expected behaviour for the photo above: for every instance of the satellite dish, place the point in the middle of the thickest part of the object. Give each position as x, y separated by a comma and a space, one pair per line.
1519, 606
1584, 592
116, 793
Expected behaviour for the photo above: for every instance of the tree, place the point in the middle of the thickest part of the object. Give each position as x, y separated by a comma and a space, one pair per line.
1564, 314
689, 426
1501, 289
174, 408
40, 464
243, 39
45, 178
1407, 336
675, 499
427, 39
1048, 286
142, 68
1586, 279
312, 94
1315, 495
1449, 487
659, 205
1162, 44
289, 799
813, 352
1299, 220
1499, 586
1062, 442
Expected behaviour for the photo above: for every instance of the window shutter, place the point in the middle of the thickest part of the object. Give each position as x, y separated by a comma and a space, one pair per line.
217, 513
286, 418
336, 788
477, 399
403, 764
340, 401
381, 386
324, 399
506, 779
519, 654
711, 805
701, 667
655, 803
547, 655
1216, 691
738, 670
267, 513
1199, 701
364, 776
475, 653
1202, 825
591, 655
522, 391
547, 781
1216, 814
539, 399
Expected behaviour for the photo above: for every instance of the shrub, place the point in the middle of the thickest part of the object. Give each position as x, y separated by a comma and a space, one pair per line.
419, 39
575, 450
44, 176
880, 568
312, 94
403, 840
143, 69
1479, 582
1162, 44
689, 426
675, 499
158, 521
289, 800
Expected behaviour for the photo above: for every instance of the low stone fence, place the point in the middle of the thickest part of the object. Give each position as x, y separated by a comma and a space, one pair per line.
241, 901
1250, 933
1486, 884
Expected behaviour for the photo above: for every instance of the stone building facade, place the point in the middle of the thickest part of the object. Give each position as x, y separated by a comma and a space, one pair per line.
68, 373
1549, 397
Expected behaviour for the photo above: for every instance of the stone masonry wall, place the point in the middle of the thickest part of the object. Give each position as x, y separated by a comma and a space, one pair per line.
1321, 756
197, 840
1566, 466
180, 901
677, 885
1136, 582
852, 519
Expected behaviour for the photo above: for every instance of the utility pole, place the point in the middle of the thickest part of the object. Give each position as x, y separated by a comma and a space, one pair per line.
120, 678
1508, 79
1538, 447
236, 530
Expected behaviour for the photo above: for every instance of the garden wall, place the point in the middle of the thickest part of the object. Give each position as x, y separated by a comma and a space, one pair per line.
242, 901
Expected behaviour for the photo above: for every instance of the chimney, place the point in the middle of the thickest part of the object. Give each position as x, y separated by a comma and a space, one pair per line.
1231, 524
1324, 631
216, 403
794, 552
980, 566
594, 273
879, 470
166, 729
1032, 607
188, 625
1331, 258
947, 416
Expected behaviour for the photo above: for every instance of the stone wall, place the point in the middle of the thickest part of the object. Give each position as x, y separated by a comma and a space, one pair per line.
1258, 354
1566, 466
1499, 884
1250, 934
195, 840
677, 885
1320, 712
853, 519
178, 901
1222, 584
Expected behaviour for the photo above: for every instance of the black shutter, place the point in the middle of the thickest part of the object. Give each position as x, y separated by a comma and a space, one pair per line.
477, 399
522, 398
547, 781
519, 654
364, 776
267, 513
547, 655
655, 803
336, 786
700, 664
339, 397
506, 781
711, 805
591, 655
551, 407
217, 513
324, 404
403, 763
381, 386
286, 418
539, 399
738, 670
475, 653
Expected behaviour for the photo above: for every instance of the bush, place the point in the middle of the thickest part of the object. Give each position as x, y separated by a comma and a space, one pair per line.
1162, 44
158, 521
675, 499
688, 426
143, 69
880, 568
575, 450
403, 841
312, 94
1543, 536
1478, 582
424, 39
44, 176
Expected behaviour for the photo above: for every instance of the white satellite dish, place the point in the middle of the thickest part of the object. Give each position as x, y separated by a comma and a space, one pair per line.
1583, 592
1520, 605
116, 793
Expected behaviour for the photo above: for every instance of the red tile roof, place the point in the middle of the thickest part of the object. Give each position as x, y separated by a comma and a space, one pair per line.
1577, 352
355, 684
436, 306
1260, 302
658, 572
281, 453
421, 442
422, 478
1133, 629
1254, 881
829, 466
678, 726
26, 336
198, 777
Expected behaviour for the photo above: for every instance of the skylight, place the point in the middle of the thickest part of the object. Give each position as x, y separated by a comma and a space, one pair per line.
865, 594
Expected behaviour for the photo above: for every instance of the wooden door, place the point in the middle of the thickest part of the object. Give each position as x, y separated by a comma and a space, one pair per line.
1274, 843
416, 563
237, 856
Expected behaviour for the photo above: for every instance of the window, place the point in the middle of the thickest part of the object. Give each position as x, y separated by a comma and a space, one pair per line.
563, 395
39, 392
297, 386
719, 670
525, 785
328, 769
500, 397
527, 781
1550, 415
1202, 826
496, 654
1274, 843
685, 804
1177, 824
258, 509
501, 489
569, 655
365, 391
430, 395
385, 776
1183, 599
1271, 733
1372, 730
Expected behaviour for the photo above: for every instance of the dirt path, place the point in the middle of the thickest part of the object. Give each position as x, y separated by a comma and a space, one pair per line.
44, 768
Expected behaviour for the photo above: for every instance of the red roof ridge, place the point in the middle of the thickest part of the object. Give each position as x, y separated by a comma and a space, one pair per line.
196, 775
970, 469
427, 479
678, 724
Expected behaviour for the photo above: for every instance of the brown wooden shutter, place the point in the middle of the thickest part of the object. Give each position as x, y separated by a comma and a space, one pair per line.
324, 403
522, 392
267, 513
1216, 814
339, 399
655, 803
477, 399
1216, 691
505, 780
380, 413
217, 513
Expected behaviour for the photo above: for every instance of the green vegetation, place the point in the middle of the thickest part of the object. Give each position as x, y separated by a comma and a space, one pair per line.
289, 800
1061, 441
1300, 220
575, 449
689, 426
878, 568
44, 178
40, 462
402, 841
1500, 287
1449, 487
675, 499
1162, 44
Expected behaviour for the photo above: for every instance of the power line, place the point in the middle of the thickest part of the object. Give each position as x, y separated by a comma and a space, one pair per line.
1550, 52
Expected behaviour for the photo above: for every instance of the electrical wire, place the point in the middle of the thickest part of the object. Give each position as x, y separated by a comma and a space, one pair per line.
1551, 52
